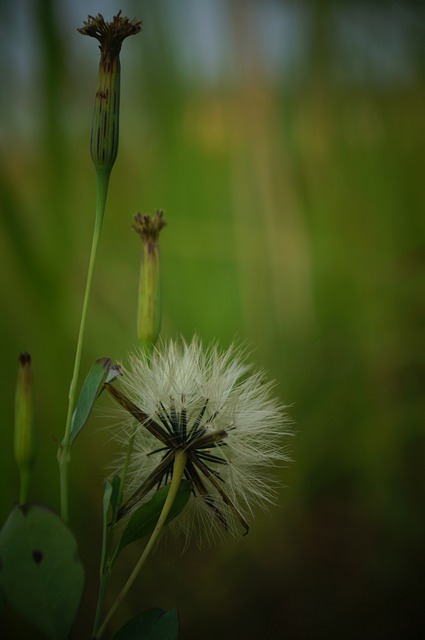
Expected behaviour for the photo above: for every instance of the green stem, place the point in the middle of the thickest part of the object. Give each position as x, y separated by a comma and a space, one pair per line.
108, 560
25, 483
100, 603
102, 182
178, 471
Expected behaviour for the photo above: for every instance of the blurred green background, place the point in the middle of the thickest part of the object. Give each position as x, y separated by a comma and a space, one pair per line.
285, 142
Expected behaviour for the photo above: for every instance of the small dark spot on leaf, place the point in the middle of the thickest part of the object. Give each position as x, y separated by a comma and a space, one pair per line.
37, 556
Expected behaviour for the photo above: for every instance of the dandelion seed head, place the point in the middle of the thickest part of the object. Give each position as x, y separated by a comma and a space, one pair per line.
210, 404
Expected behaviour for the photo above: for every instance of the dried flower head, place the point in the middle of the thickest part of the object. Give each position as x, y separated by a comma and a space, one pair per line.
202, 402
105, 126
110, 34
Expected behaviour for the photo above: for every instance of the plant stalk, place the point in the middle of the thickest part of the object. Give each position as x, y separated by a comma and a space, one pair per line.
64, 455
178, 471
108, 560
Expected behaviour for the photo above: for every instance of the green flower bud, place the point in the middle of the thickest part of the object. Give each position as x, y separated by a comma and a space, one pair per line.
149, 300
105, 126
24, 444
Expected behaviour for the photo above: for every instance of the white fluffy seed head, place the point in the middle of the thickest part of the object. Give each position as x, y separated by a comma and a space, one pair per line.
210, 388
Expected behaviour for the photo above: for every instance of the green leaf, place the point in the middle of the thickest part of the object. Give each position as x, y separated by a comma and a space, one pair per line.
90, 390
154, 624
144, 519
40, 573
116, 480
106, 500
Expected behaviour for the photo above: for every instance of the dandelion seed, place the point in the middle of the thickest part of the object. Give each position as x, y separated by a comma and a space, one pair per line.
202, 402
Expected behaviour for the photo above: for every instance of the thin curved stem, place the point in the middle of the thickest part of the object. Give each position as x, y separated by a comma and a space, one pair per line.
102, 182
178, 471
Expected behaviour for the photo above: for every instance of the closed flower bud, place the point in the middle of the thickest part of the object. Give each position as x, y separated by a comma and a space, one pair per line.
24, 427
105, 127
149, 299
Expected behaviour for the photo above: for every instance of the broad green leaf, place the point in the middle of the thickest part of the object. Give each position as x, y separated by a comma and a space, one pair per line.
93, 384
40, 573
144, 519
154, 624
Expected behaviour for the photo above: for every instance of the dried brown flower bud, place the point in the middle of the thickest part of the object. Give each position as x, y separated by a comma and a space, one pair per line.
105, 127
